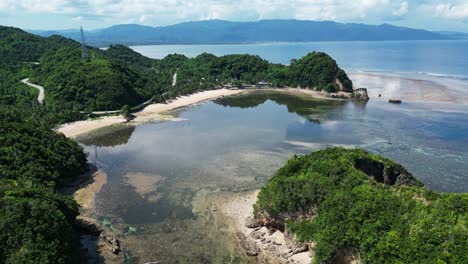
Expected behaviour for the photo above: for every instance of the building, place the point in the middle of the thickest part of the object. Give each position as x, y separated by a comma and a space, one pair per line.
263, 84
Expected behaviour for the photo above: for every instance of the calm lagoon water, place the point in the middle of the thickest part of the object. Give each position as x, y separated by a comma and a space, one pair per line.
160, 173
237, 144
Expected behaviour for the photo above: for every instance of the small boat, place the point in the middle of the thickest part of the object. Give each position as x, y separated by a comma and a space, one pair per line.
394, 101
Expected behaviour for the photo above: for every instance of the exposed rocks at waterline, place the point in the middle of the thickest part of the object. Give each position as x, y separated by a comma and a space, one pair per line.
274, 245
99, 245
360, 93
261, 244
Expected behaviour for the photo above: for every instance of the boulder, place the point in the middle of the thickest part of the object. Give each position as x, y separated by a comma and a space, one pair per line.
251, 223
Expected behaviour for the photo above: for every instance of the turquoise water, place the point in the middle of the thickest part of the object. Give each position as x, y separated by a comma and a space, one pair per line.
440, 58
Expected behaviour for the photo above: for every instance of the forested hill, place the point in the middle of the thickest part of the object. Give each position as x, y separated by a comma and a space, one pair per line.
219, 31
352, 204
118, 76
37, 224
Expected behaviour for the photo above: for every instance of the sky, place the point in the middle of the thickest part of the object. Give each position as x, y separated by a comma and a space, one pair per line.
70, 14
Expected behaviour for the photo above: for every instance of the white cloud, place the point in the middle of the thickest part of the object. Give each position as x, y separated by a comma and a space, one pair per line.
173, 11
403, 10
78, 18
163, 12
452, 11
38, 6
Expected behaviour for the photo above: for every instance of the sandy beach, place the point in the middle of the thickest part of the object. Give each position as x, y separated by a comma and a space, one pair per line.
388, 86
157, 111
411, 87
151, 112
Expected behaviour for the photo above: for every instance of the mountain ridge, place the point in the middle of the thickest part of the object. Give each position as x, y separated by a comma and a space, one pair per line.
230, 32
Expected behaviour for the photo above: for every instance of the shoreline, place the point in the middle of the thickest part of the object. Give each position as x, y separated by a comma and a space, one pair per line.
259, 243
389, 85
412, 88
150, 112
157, 111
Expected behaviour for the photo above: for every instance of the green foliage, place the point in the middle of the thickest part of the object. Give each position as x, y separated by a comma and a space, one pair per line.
18, 45
125, 111
118, 76
36, 223
332, 88
126, 55
12, 91
317, 70
28, 148
97, 84
350, 209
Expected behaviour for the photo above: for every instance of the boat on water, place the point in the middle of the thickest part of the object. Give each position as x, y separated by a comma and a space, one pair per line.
394, 101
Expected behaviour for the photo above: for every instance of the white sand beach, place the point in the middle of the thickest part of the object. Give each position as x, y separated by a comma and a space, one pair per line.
151, 112
387, 85
156, 111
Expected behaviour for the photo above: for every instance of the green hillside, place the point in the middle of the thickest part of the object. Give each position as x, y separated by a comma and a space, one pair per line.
37, 225
354, 202
118, 76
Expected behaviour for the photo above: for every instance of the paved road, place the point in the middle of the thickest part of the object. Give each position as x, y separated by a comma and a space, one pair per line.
40, 97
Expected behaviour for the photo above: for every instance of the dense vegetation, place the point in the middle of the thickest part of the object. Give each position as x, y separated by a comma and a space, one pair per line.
18, 45
119, 76
36, 223
354, 202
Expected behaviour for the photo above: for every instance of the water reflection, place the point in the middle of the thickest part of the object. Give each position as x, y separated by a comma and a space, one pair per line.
108, 137
158, 172
314, 110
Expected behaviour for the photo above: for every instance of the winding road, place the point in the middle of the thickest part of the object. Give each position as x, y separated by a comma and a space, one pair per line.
40, 97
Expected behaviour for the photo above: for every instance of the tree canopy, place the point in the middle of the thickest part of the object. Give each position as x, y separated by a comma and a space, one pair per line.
37, 225
118, 76
353, 201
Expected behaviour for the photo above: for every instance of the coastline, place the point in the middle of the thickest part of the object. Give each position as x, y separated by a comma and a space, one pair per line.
261, 244
152, 111
157, 111
408, 87
388, 85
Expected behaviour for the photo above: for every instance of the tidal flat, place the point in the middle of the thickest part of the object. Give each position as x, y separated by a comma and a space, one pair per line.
234, 145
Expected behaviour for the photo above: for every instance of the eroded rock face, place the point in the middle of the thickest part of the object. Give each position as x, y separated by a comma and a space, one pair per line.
393, 174
361, 93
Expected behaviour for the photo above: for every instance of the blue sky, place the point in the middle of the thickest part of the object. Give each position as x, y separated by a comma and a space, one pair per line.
65, 14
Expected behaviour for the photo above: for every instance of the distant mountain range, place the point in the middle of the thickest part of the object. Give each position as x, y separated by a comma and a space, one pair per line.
224, 32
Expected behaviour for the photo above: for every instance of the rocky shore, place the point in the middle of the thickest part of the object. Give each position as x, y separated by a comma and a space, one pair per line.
99, 245
262, 244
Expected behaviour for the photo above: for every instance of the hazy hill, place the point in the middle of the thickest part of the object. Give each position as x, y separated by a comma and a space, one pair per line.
219, 31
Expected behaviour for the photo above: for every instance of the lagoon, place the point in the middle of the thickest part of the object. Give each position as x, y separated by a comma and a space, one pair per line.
160, 174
